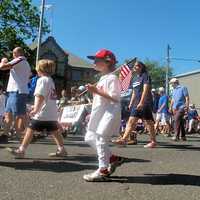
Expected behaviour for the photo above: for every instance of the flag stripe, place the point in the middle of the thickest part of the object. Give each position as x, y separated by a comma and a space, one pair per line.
125, 77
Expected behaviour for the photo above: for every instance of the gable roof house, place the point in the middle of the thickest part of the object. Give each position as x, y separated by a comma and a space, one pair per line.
71, 70
192, 81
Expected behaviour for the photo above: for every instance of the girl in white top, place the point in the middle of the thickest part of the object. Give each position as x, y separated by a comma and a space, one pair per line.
44, 114
105, 116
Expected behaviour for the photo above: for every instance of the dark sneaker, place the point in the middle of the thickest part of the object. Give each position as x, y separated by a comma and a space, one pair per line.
115, 161
3, 139
16, 152
59, 153
97, 176
183, 139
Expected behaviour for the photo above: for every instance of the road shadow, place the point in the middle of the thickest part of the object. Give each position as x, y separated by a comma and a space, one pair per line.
89, 159
66, 143
179, 146
82, 159
163, 145
160, 179
51, 166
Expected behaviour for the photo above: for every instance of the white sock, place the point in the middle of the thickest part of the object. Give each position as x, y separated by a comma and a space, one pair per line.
21, 148
60, 148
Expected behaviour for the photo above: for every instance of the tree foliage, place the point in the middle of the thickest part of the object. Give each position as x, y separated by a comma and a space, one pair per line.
157, 72
19, 21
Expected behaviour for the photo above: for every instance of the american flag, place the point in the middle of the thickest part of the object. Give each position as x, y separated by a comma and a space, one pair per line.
125, 77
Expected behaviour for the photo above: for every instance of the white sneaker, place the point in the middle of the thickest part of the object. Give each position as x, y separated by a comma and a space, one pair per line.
150, 145
16, 152
97, 176
174, 138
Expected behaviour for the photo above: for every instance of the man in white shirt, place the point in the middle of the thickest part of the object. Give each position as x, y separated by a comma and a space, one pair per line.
17, 89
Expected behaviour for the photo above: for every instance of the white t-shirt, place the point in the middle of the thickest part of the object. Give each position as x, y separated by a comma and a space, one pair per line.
2, 104
106, 115
46, 88
19, 75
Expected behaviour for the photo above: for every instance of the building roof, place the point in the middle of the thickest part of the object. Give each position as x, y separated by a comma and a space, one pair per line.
73, 60
76, 61
188, 73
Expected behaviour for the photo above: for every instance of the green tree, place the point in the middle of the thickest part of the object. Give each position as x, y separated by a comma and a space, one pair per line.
19, 21
157, 72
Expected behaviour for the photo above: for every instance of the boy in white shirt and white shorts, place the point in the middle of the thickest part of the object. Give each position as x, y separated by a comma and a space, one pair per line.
44, 114
105, 117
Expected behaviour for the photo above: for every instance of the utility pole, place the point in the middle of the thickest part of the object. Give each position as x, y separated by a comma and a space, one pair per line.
40, 30
167, 70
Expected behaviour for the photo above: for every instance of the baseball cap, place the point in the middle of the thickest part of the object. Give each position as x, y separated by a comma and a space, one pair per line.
104, 54
173, 80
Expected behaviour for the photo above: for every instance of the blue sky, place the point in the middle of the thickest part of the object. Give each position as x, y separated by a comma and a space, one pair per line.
129, 28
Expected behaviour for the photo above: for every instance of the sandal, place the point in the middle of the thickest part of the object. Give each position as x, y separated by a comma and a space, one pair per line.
120, 141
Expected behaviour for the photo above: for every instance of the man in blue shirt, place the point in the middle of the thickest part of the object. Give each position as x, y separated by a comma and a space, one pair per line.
179, 106
162, 112
156, 98
32, 85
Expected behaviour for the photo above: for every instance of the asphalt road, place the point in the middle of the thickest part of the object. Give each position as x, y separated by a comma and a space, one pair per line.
169, 172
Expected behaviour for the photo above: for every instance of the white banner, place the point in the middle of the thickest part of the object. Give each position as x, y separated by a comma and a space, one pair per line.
72, 114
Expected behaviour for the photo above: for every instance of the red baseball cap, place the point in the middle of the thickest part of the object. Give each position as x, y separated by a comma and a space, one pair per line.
104, 54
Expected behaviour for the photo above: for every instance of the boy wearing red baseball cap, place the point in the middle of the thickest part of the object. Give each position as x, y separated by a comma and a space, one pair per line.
105, 116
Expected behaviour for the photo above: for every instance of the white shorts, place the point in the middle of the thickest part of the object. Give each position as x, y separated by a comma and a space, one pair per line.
163, 118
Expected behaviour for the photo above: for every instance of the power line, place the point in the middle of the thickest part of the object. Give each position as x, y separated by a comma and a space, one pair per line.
186, 59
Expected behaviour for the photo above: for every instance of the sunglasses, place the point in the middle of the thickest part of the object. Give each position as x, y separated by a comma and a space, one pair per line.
97, 60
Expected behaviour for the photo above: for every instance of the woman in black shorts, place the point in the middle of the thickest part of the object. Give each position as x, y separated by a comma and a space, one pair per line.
140, 105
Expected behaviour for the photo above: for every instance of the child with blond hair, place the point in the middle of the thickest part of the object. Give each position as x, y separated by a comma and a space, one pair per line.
44, 113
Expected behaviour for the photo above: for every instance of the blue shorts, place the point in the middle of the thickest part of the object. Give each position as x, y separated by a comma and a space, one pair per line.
145, 113
16, 103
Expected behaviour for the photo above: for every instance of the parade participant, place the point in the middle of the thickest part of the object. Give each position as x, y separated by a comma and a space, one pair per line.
192, 119
162, 112
32, 85
105, 116
17, 90
63, 100
44, 114
156, 97
2, 105
3, 137
140, 106
179, 106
